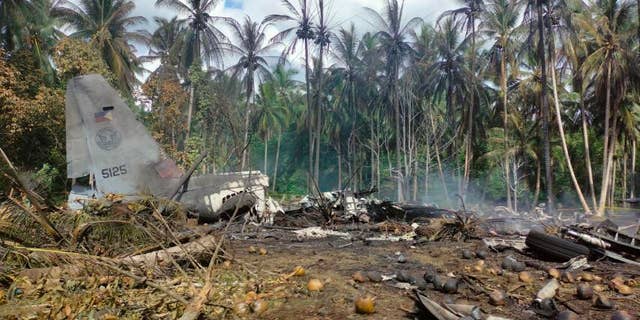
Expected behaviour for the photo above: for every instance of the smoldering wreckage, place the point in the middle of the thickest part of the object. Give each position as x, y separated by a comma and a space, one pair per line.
141, 239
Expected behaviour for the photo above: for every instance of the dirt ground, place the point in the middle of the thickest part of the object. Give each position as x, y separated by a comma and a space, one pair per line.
334, 261
256, 280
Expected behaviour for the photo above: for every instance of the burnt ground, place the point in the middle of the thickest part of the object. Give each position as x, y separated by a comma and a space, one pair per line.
258, 267
334, 261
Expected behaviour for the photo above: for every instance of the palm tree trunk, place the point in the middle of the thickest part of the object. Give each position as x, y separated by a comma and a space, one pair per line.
633, 168
339, 166
503, 89
189, 113
625, 160
275, 166
605, 165
545, 109
468, 150
318, 126
426, 170
266, 151
587, 153
245, 139
309, 117
565, 149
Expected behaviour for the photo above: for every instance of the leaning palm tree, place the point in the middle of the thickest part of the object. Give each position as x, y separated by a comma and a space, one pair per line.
202, 39
107, 23
606, 26
393, 35
300, 24
252, 47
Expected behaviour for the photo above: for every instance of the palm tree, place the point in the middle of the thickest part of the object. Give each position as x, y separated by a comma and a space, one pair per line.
272, 116
41, 33
605, 24
107, 23
12, 21
467, 16
393, 35
284, 84
251, 47
322, 40
300, 20
166, 43
202, 39
500, 24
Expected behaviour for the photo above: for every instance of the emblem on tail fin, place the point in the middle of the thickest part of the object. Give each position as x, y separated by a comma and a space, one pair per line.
108, 138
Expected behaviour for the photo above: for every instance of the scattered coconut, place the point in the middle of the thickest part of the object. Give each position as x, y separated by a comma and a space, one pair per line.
438, 282
624, 289
567, 315
430, 273
584, 291
586, 276
252, 249
374, 276
497, 298
567, 277
315, 285
599, 288
467, 254
262, 251
482, 253
603, 302
226, 264
451, 286
404, 276
299, 271
621, 315
554, 273
359, 277
525, 277
365, 305
402, 259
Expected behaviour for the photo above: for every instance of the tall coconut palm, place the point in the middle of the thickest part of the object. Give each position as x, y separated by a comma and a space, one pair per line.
301, 25
12, 21
272, 116
41, 33
107, 24
468, 15
394, 42
202, 39
500, 25
251, 47
606, 26
166, 42
322, 41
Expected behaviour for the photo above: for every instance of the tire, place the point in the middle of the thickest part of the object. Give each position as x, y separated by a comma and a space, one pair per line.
554, 247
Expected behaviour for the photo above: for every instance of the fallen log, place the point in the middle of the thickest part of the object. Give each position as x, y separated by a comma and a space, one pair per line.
160, 257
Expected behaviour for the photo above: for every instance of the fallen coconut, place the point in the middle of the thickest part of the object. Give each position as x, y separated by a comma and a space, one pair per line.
299, 271
603, 302
621, 315
482, 253
497, 298
467, 254
451, 286
315, 285
525, 277
365, 305
259, 306
359, 277
262, 251
584, 291
374, 276
554, 273
586, 276
567, 315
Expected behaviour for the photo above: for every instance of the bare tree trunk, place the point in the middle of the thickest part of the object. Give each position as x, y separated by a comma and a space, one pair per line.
607, 135
309, 117
536, 195
189, 113
468, 150
545, 108
339, 166
505, 121
426, 171
266, 152
245, 140
565, 149
633, 168
587, 153
625, 160
275, 167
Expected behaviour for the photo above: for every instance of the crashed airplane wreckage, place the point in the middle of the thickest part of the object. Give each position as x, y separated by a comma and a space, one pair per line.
110, 148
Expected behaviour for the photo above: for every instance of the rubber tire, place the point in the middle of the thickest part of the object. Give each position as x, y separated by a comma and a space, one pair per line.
554, 247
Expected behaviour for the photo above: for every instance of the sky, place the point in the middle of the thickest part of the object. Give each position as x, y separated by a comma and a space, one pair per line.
341, 12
